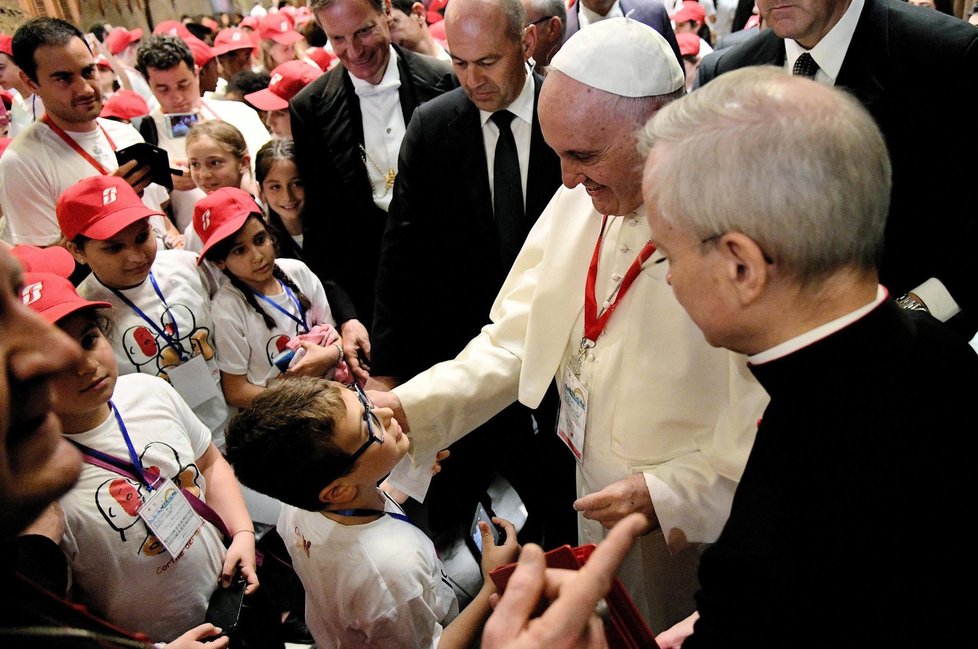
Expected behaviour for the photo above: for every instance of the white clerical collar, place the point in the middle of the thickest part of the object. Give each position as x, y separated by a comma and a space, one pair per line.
391, 79
522, 106
588, 17
818, 333
829, 52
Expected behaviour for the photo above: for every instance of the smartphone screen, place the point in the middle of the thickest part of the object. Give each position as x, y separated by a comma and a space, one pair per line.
180, 123
482, 515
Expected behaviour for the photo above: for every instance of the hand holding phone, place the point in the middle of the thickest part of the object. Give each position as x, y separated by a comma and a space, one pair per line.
148, 155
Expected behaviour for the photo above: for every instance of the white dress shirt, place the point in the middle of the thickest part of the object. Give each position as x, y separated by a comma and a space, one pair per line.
522, 128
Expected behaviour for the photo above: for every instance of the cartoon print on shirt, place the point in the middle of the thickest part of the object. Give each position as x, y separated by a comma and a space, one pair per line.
119, 499
275, 346
145, 347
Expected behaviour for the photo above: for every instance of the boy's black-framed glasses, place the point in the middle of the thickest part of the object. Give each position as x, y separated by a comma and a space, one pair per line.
375, 431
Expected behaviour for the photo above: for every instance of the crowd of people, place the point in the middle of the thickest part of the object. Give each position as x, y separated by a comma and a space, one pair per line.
682, 274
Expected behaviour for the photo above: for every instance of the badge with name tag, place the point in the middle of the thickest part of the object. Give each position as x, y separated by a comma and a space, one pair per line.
193, 381
573, 413
168, 514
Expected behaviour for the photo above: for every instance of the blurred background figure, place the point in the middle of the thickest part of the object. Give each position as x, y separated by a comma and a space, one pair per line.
550, 18
124, 106
26, 107
280, 42
689, 47
286, 81
122, 44
409, 29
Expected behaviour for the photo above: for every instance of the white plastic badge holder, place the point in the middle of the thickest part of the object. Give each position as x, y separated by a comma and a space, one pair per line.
170, 517
193, 381
573, 414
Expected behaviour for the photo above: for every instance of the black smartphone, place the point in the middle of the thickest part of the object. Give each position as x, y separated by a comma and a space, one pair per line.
149, 155
483, 512
224, 608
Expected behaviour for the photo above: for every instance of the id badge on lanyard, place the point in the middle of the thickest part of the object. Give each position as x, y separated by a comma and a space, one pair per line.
169, 515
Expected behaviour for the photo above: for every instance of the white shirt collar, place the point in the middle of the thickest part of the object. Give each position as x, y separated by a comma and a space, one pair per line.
587, 17
818, 333
522, 106
829, 52
391, 78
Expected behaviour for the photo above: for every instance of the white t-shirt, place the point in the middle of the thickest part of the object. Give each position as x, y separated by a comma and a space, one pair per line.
141, 349
378, 585
238, 114
245, 345
120, 570
38, 166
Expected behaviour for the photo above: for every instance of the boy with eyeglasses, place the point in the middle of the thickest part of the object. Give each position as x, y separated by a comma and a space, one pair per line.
372, 578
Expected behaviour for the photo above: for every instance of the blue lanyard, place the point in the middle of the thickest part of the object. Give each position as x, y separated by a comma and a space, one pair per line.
133, 469
373, 512
301, 321
171, 340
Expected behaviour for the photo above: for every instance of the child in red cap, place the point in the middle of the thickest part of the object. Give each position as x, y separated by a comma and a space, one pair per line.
138, 439
268, 308
162, 322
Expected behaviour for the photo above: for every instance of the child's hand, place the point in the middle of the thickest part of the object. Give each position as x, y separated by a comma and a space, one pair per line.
241, 554
184, 182
494, 555
317, 360
442, 455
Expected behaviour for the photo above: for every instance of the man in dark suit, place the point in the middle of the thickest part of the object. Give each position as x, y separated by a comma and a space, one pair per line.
451, 239
347, 127
859, 387
653, 13
911, 68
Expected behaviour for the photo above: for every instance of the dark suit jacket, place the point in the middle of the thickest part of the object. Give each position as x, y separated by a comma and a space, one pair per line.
817, 530
913, 70
648, 12
342, 227
440, 268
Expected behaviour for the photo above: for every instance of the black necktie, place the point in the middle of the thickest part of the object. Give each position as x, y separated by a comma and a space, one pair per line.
507, 193
805, 66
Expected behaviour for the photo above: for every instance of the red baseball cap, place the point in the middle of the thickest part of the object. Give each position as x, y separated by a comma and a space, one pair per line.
210, 24
173, 28
221, 214
98, 207
103, 62
54, 297
278, 27
4, 143
7, 44
689, 43
323, 58
691, 10
203, 53
232, 38
8, 99
120, 38
53, 259
287, 80
249, 22
125, 104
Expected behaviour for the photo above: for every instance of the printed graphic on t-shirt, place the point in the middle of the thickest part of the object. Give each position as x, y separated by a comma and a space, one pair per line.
119, 499
151, 353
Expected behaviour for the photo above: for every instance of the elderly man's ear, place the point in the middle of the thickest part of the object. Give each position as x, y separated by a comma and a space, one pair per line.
746, 268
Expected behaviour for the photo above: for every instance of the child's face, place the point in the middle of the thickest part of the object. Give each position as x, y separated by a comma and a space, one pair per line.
212, 166
89, 384
252, 257
123, 260
282, 190
352, 433
279, 123
281, 53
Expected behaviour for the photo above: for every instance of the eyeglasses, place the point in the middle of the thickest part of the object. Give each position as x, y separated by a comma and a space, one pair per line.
658, 267
375, 431
539, 20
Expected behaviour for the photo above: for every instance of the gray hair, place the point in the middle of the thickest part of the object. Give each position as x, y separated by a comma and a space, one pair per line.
801, 169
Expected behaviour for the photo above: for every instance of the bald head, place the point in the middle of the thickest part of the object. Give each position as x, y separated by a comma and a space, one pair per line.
489, 45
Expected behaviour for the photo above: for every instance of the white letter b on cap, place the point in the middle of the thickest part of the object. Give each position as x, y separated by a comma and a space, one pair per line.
109, 195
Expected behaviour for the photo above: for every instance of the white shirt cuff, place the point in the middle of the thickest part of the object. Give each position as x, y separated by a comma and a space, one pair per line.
938, 300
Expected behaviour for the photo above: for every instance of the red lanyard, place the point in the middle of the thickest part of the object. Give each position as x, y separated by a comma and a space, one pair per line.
70, 141
594, 323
